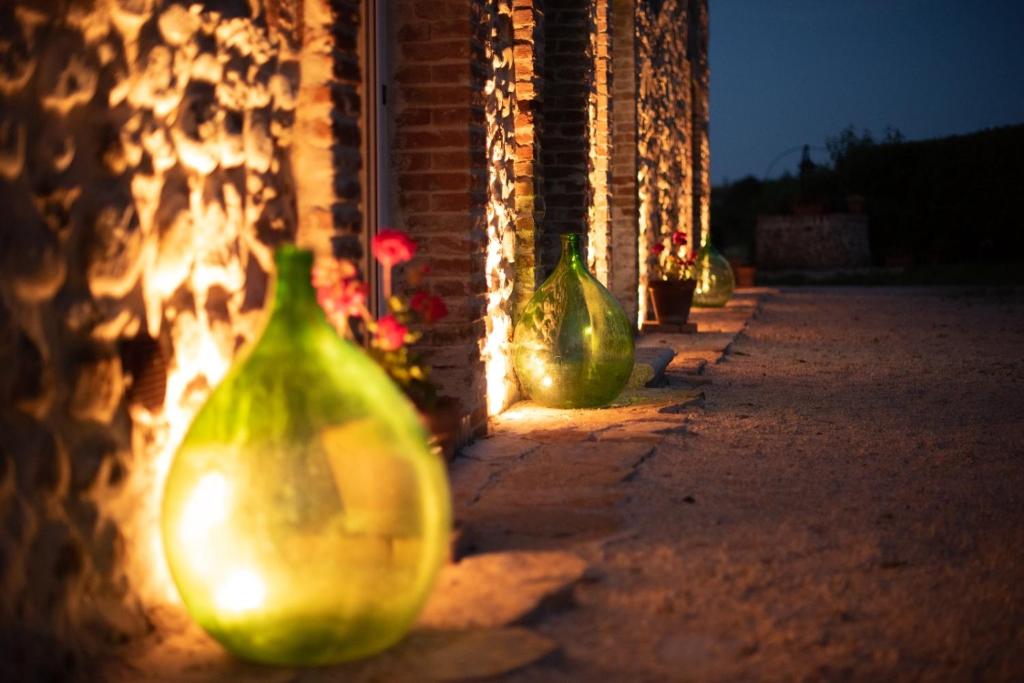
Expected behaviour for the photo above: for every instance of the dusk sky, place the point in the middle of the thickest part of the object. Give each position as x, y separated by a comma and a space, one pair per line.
791, 72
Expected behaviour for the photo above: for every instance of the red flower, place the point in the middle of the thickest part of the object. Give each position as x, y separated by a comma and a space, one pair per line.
392, 247
431, 308
658, 248
679, 238
390, 334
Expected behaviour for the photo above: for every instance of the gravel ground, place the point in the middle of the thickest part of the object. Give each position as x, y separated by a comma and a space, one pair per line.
848, 505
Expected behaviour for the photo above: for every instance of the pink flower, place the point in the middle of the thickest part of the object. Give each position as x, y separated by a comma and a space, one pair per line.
431, 308
352, 297
338, 291
390, 335
329, 271
392, 247
679, 238
658, 248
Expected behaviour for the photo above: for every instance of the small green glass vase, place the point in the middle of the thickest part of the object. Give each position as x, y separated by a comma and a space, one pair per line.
304, 518
573, 345
715, 280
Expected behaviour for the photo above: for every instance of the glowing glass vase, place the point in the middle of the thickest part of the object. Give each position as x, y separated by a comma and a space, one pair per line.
715, 280
304, 518
573, 345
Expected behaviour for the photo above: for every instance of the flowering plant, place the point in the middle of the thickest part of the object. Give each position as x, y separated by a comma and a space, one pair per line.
343, 296
674, 260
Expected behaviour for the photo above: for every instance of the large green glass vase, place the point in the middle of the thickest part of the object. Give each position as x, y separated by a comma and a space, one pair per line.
715, 280
573, 345
304, 517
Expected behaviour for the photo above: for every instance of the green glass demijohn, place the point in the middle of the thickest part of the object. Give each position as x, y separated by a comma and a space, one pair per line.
573, 345
715, 280
304, 518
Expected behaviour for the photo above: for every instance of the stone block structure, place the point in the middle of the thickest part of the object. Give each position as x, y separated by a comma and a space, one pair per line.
152, 154
813, 241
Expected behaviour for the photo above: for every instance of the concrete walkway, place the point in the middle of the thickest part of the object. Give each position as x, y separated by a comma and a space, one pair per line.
830, 486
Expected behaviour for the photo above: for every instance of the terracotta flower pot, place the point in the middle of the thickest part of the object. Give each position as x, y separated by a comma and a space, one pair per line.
672, 300
444, 422
745, 275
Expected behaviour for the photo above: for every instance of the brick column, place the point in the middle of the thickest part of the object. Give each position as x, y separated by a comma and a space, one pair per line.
624, 207
528, 62
439, 162
326, 155
599, 247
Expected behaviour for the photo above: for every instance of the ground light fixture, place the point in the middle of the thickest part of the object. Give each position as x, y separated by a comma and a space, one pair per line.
573, 345
304, 518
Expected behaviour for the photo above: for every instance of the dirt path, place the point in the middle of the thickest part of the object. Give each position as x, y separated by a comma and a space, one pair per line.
848, 505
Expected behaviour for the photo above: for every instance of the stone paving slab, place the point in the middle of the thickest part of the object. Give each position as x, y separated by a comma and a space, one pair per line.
547, 478
649, 368
498, 589
424, 655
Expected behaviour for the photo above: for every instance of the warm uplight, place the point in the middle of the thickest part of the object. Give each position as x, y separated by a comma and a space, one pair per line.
599, 146
242, 590
496, 347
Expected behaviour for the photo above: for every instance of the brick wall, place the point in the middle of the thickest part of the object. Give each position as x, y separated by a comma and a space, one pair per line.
624, 206
565, 150
528, 63
327, 135
599, 142
440, 176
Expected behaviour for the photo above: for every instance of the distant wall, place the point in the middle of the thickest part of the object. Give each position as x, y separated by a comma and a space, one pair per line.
815, 242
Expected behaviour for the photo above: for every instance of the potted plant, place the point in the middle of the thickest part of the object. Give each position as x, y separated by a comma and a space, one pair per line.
672, 295
389, 338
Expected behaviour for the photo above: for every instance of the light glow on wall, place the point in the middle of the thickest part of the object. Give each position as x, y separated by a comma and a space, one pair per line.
496, 347
599, 137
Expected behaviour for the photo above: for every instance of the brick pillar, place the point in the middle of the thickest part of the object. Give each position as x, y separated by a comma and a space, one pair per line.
438, 158
599, 247
528, 62
565, 149
697, 47
326, 155
624, 207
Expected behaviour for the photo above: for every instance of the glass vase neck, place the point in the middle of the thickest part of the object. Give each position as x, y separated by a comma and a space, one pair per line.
571, 254
294, 285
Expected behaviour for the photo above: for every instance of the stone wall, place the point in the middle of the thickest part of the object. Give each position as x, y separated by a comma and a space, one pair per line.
663, 122
700, 95
144, 176
813, 242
